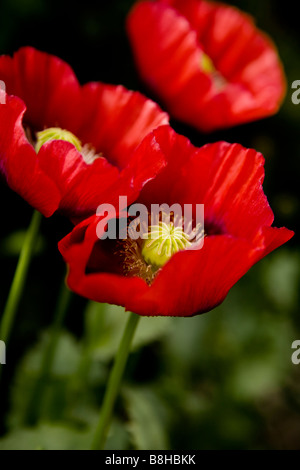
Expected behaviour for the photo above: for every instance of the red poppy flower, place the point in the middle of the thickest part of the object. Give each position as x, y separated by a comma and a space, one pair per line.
137, 274
65, 146
208, 63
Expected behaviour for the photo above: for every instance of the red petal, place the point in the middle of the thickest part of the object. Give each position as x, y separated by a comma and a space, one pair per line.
197, 281
227, 179
18, 161
46, 84
108, 111
76, 248
168, 43
192, 282
110, 118
167, 56
83, 187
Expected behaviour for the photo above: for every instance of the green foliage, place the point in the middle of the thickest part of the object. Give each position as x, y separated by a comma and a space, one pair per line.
105, 325
12, 245
46, 437
223, 380
147, 421
198, 383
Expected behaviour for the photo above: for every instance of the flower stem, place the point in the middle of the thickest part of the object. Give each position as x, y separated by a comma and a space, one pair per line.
114, 383
19, 279
36, 399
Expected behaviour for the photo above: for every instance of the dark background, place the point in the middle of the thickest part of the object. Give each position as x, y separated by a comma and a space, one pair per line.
226, 375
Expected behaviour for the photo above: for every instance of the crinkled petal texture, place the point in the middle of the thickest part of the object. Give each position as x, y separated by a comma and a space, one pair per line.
168, 39
42, 92
19, 163
227, 179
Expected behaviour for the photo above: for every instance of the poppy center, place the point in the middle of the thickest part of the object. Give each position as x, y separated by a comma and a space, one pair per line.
207, 64
144, 255
56, 133
164, 240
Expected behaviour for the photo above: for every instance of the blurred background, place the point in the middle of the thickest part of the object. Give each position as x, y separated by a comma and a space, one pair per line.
223, 380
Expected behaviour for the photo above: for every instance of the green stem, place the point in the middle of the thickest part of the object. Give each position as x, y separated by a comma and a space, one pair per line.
114, 383
19, 279
36, 399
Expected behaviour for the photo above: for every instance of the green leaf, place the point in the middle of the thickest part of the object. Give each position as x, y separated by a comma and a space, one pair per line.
147, 420
281, 279
105, 325
12, 244
64, 367
46, 437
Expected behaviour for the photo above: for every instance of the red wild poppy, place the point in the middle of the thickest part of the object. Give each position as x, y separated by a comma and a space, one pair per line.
58, 145
207, 62
162, 275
